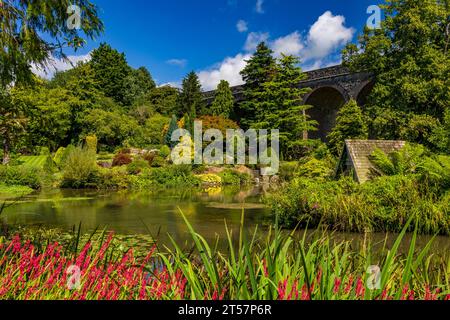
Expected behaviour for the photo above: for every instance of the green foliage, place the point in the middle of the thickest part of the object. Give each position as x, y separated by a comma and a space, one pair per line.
7, 192
410, 62
91, 143
383, 204
32, 161
259, 70
191, 97
80, 169
154, 128
22, 42
163, 100
313, 168
402, 162
441, 135
137, 166
173, 126
112, 128
233, 177
12, 123
420, 128
223, 103
169, 176
111, 71
281, 106
136, 85
275, 266
350, 124
20, 176
164, 151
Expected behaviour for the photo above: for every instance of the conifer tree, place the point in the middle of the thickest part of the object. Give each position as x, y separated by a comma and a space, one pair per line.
172, 127
260, 69
350, 124
281, 105
191, 97
224, 101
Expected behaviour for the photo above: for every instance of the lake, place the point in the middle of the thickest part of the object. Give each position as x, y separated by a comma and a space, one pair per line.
157, 213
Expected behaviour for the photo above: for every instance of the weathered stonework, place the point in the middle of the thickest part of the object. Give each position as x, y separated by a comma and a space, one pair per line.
331, 88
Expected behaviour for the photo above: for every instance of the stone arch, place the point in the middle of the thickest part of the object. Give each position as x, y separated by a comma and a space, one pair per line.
363, 92
325, 102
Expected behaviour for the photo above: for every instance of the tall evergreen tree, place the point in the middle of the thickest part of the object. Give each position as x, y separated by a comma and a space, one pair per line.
111, 71
223, 103
172, 127
191, 97
350, 124
281, 105
260, 69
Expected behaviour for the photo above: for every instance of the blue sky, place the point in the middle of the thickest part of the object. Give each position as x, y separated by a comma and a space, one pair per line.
214, 37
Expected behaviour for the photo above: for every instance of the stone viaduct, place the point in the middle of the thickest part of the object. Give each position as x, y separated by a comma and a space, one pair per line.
331, 88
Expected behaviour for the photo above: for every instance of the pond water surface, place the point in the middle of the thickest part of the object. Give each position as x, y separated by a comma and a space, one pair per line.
157, 214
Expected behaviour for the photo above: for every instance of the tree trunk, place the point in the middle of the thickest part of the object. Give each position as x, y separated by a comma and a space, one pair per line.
6, 151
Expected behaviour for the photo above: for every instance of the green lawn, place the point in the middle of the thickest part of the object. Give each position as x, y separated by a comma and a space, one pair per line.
32, 161
7, 192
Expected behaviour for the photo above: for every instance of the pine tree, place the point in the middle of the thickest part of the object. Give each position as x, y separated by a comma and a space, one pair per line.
260, 69
224, 101
191, 97
281, 105
350, 124
111, 71
172, 127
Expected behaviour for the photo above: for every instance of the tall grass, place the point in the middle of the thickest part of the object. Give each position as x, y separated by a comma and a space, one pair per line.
278, 266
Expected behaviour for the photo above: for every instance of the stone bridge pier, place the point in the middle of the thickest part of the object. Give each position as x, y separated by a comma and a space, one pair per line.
331, 88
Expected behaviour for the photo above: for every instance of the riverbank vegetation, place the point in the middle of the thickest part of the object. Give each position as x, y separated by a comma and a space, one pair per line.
410, 182
277, 266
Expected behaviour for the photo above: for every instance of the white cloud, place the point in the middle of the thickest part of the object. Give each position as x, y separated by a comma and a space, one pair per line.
177, 62
242, 26
253, 39
226, 70
290, 44
170, 84
326, 35
55, 64
259, 6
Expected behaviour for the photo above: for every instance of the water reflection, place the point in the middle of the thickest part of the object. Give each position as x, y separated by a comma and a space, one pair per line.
157, 213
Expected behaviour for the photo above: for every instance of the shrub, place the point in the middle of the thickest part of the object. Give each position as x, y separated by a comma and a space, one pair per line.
149, 157
164, 152
91, 143
137, 166
170, 176
210, 179
313, 168
20, 176
383, 204
287, 170
115, 178
62, 154
158, 162
80, 170
121, 159
232, 177
44, 151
